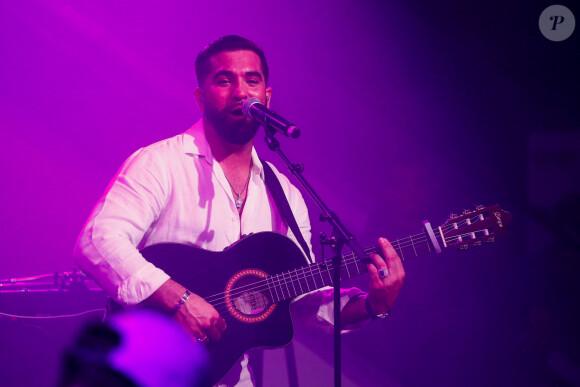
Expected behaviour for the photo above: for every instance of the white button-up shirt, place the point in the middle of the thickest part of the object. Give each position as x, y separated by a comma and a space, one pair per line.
174, 191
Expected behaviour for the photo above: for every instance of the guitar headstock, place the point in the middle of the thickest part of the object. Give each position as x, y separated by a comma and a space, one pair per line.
483, 224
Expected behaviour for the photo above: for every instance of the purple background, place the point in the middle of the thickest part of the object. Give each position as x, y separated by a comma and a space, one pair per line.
408, 112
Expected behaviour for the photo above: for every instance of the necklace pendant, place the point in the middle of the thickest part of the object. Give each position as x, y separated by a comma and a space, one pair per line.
239, 203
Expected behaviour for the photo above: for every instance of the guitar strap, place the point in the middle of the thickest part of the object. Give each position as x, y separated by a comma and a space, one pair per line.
281, 201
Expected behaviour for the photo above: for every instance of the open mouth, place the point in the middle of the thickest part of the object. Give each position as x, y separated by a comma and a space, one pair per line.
237, 112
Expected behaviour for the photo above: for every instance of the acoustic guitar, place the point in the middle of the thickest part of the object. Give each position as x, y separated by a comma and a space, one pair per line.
252, 282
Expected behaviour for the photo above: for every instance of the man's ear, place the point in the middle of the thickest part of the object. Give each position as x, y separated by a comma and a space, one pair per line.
200, 98
268, 96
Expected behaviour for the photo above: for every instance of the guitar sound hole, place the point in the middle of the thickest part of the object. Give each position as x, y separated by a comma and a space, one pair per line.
252, 301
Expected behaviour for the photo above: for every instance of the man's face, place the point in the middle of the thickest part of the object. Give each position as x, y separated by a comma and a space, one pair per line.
234, 77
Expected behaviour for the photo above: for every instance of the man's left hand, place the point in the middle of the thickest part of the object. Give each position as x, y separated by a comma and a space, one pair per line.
384, 291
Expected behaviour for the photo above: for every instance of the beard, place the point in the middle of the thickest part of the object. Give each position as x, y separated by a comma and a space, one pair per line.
233, 131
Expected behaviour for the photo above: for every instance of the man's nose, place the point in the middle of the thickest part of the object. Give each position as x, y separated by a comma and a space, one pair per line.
241, 90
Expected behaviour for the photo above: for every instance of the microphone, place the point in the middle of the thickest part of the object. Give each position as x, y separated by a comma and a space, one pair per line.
252, 108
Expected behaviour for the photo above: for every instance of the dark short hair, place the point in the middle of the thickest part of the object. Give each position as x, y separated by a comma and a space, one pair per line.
224, 44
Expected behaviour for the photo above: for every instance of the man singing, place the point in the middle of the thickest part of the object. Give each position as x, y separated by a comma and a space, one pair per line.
206, 188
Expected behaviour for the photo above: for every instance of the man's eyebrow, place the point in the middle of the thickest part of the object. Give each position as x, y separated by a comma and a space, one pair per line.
228, 73
224, 73
254, 74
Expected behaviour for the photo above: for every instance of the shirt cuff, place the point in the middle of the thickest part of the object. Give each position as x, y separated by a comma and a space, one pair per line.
316, 309
142, 284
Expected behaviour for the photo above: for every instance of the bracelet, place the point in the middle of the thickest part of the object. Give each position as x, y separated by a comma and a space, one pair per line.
372, 314
181, 301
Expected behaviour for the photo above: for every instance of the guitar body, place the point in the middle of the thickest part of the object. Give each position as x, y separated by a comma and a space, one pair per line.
233, 271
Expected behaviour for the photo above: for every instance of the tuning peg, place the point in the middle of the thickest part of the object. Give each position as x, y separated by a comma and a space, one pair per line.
465, 212
479, 207
477, 243
452, 216
491, 240
463, 247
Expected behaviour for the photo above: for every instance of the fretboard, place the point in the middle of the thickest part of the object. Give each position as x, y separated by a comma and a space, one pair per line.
290, 284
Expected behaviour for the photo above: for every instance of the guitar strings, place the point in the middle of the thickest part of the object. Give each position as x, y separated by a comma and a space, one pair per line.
349, 258
284, 279
220, 306
398, 244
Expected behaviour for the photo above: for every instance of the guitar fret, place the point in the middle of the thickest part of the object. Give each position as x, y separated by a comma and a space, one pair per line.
401, 250
413, 244
311, 279
315, 269
350, 259
346, 268
305, 278
288, 287
293, 282
360, 266
289, 290
302, 280
290, 282
320, 273
298, 279
356, 261
295, 279
331, 282
330, 275
272, 287
269, 282
279, 287
312, 270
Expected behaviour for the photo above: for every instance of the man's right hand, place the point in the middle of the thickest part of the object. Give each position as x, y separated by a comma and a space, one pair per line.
200, 319
196, 315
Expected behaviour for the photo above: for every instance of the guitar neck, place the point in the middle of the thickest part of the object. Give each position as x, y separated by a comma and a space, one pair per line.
483, 224
290, 284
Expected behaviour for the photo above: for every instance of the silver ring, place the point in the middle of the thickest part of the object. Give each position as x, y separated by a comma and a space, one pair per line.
383, 273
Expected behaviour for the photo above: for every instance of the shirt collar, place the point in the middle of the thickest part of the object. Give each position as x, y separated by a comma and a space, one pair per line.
258, 168
195, 144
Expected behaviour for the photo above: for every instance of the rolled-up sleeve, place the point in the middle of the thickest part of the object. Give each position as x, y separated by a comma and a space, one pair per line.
107, 246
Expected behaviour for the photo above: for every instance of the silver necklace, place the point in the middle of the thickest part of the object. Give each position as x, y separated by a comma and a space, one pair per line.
239, 201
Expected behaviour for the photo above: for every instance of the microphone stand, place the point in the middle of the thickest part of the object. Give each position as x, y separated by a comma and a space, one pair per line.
340, 237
